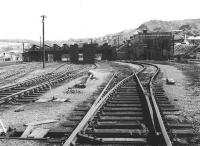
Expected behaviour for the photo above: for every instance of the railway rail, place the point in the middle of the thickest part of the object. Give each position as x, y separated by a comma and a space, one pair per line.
28, 90
131, 109
123, 116
83, 109
180, 131
59, 135
176, 132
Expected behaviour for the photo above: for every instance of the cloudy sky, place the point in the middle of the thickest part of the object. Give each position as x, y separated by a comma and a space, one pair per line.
20, 19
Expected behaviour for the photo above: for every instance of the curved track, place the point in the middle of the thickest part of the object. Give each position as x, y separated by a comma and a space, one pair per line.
123, 116
147, 78
180, 132
130, 110
173, 131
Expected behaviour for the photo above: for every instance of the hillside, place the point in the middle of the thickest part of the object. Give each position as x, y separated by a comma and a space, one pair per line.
190, 26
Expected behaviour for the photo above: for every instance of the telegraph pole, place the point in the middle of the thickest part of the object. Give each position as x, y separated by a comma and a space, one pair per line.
41, 51
118, 42
43, 16
23, 46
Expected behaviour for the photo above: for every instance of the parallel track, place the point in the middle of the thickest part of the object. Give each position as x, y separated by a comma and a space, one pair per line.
123, 116
57, 135
129, 111
28, 90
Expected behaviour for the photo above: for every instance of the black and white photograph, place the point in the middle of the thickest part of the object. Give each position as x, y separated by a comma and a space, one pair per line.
99, 73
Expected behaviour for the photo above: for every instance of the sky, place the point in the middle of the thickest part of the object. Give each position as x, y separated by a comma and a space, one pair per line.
20, 19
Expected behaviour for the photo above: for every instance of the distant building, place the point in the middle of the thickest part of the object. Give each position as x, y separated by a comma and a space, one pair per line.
77, 53
10, 56
148, 45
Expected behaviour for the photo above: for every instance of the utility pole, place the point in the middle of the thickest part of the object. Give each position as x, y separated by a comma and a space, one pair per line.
41, 50
173, 43
23, 47
118, 42
43, 16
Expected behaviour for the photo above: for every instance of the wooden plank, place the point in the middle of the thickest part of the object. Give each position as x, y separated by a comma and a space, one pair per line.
28, 130
39, 133
44, 100
62, 100
41, 122
136, 140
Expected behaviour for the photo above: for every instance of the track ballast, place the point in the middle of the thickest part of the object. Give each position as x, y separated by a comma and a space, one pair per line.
124, 116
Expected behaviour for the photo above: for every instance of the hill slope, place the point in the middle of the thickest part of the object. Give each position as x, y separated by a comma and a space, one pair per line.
190, 26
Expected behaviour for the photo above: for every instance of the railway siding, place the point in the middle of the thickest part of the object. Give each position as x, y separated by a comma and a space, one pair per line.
126, 111
38, 84
100, 78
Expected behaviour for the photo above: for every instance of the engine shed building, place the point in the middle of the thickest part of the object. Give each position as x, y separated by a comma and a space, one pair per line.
87, 53
148, 45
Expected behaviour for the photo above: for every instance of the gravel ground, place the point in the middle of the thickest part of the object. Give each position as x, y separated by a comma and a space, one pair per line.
56, 110
53, 110
185, 94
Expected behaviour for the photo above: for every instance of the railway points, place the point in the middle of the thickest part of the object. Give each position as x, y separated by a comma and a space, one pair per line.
128, 109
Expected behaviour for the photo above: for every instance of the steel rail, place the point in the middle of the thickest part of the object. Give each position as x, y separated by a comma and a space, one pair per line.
101, 95
158, 115
29, 80
148, 103
94, 109
37, 87
156, 110
85, 119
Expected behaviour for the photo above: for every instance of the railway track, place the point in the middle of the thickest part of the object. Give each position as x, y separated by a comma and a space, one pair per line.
132, 109
180, 130
124, 116
82, 109
29, 90
177, 131
58, 135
